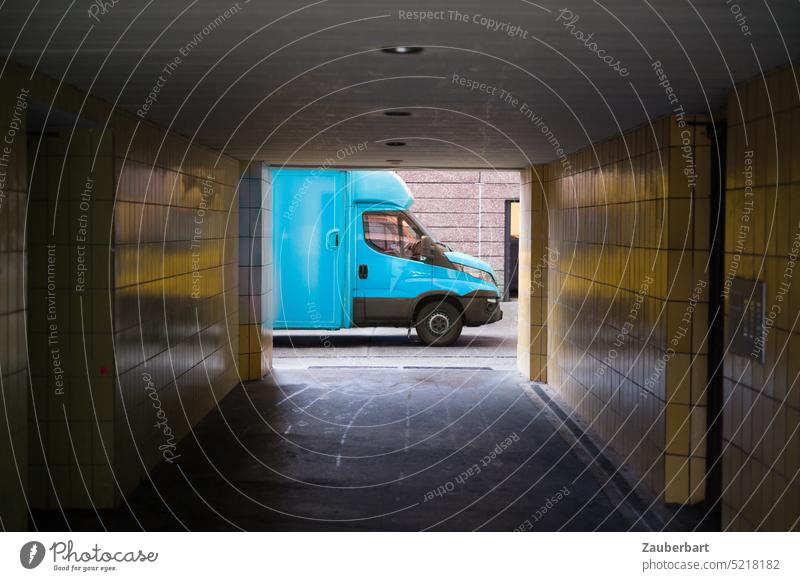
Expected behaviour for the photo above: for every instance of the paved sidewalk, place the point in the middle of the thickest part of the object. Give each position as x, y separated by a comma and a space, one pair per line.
491, 346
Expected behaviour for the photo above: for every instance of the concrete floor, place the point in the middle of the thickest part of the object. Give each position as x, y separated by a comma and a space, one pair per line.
492, 346
379, 433
371, 449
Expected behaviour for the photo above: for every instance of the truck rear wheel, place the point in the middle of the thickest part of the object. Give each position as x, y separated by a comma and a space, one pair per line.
439, 324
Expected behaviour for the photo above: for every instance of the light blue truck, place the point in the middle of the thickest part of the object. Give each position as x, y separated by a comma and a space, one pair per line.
348, 252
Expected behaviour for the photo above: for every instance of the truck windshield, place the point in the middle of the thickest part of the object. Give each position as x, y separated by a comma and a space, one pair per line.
392, 232
424, 231
421, 227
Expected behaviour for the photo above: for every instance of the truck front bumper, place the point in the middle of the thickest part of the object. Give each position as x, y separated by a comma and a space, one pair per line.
481, 308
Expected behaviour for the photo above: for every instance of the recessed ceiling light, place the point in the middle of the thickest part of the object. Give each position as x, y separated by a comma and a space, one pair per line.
395, 143
402, 49
397, 113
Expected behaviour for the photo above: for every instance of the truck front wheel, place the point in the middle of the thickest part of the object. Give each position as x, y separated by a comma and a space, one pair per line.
439, 324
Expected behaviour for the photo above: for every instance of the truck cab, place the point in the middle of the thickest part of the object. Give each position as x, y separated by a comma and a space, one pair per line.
349, 252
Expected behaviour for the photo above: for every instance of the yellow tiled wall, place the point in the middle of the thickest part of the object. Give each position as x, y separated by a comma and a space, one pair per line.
255, 270
13, 357
69, 323
761, 445
627, 296
176, 303
533, 277
161, 306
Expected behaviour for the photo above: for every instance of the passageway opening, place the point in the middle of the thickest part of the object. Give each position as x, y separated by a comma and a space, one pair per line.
467, 211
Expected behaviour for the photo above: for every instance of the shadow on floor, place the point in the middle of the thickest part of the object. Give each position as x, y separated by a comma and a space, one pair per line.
371, 449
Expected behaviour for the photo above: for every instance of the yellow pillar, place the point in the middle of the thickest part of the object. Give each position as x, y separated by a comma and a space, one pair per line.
534, 261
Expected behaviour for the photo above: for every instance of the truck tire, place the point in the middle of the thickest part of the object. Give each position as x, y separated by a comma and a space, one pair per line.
439, 324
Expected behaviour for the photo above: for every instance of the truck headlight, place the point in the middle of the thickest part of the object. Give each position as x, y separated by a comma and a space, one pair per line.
478, 273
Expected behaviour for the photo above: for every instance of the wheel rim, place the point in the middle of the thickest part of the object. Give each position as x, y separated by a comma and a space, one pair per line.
438, 323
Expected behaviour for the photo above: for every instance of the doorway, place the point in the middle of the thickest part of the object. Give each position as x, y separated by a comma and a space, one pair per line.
511, 250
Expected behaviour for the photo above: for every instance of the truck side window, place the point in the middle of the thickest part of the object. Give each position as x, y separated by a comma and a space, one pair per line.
391, 233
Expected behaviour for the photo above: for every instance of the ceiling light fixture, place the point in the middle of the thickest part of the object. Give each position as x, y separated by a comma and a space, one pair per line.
402, 49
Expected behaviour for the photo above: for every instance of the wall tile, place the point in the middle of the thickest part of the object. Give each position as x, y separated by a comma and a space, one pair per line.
620, 276
762, 409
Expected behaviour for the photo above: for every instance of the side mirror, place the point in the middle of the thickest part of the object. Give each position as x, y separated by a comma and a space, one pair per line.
426, 246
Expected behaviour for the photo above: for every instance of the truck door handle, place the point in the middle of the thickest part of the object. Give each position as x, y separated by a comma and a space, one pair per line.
363, 271
332, 239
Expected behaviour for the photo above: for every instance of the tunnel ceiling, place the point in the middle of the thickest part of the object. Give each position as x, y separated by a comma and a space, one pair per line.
300, 83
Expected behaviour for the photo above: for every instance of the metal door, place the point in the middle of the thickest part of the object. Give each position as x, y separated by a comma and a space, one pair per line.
389, 276
309, 213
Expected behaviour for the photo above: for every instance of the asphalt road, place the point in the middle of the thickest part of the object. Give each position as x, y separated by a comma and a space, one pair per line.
490, 346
